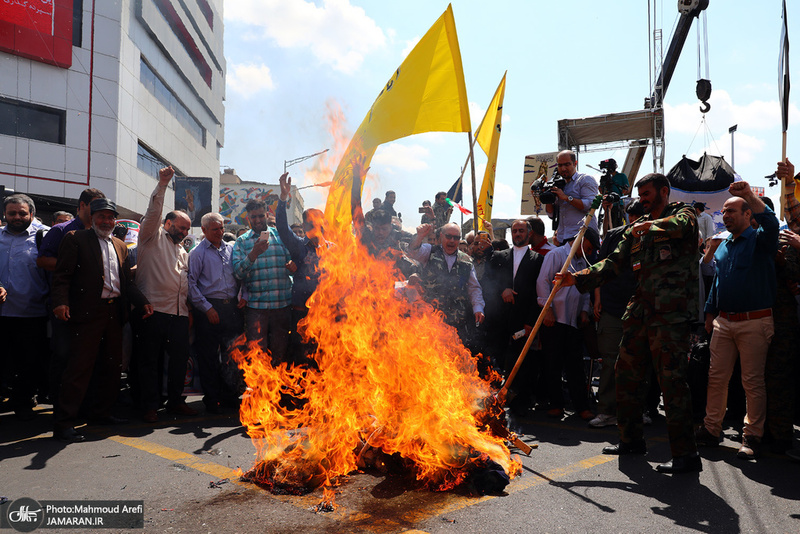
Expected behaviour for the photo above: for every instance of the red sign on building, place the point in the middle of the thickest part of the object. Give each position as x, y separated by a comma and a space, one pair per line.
37, 29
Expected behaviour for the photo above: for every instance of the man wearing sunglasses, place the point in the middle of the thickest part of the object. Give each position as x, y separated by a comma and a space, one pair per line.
448, 279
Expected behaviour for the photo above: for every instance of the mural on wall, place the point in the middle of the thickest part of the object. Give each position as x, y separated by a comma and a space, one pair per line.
193, 195
232, 201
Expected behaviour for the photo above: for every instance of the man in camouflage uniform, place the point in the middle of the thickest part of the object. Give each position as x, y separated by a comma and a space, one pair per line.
449, 281
779, 374
783, 357
661, 250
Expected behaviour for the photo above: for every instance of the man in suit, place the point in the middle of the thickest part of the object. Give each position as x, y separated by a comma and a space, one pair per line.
92, 292
512, 307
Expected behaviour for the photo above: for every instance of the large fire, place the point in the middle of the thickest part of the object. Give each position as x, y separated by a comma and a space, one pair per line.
391, 382
392, 378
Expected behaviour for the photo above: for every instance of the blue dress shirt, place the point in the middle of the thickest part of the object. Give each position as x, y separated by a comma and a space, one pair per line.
745, 278
25, 283
211, 274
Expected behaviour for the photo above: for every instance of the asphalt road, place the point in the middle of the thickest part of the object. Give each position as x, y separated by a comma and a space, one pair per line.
567, 485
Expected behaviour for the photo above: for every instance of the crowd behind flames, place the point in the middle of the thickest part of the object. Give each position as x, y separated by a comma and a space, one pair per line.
675, 319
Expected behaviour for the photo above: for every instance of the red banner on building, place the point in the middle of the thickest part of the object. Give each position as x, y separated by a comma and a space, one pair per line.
37, 29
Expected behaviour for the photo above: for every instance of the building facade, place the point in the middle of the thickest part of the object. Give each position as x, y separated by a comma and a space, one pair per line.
103, 93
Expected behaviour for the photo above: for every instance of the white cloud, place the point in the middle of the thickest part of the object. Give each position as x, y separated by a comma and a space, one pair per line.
757, 115
248, 79
476, 114
758, 126
397, 156
506, 201
410, 46
336, 32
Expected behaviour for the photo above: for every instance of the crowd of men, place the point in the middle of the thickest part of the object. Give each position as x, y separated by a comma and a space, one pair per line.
633, 299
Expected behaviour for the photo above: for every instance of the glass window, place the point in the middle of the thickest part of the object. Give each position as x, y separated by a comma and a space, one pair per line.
31, 121
171, 103
77, 23
149, 162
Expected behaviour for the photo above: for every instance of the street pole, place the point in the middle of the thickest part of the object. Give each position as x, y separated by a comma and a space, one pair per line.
731, 131
289, 162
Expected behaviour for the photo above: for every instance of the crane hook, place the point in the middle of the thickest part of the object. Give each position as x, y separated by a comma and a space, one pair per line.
703, 92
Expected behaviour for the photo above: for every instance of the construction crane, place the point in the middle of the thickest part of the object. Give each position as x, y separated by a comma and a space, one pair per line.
635, 129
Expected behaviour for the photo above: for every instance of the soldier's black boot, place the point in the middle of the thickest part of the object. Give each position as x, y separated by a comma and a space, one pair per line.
689, 463
624, 447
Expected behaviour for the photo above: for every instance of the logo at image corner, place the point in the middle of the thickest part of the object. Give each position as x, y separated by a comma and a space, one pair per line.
25, 515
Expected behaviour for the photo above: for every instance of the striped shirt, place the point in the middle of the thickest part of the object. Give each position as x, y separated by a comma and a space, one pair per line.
267, 280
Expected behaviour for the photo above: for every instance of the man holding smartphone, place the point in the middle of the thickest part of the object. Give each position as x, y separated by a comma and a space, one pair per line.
259, 261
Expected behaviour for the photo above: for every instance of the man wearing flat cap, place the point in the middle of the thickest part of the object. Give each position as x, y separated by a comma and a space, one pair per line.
92, 292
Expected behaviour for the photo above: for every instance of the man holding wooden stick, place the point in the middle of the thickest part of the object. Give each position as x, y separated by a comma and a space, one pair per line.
661, 249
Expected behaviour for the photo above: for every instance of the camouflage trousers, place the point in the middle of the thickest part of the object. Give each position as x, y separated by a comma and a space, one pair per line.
663, 348
779, 376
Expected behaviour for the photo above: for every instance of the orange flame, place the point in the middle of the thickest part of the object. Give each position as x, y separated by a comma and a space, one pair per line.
324, 166
390, 378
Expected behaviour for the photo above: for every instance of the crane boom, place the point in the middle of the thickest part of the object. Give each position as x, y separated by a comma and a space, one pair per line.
690, 10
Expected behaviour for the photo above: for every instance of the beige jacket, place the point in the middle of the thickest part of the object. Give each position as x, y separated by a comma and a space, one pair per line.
162, 266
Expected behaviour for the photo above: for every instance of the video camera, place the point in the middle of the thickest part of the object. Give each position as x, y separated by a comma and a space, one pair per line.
543, 190
607, 166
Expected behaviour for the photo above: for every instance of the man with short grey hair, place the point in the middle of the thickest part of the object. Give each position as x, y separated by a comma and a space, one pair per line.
62, 217
216, 311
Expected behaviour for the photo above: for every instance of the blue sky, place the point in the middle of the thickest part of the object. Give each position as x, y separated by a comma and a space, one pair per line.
289, 62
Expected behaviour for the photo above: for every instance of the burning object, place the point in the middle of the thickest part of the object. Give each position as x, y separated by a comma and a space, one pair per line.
391, 385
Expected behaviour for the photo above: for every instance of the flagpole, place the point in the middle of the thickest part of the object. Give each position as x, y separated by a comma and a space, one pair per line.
783, 153
784, 190
469, 158
474, 189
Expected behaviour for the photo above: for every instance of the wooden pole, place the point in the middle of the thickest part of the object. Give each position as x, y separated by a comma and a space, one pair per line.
575, 244
474, 190
784, 191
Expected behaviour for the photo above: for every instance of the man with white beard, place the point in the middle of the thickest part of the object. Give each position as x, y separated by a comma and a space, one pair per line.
92, 292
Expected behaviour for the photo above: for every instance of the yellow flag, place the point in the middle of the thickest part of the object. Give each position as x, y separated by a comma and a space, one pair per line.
426, 93
488, 137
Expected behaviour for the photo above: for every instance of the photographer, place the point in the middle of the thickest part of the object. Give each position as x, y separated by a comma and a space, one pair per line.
613, 186
574, 199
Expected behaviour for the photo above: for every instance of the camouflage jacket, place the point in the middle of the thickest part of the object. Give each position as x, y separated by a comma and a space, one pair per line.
665, 264
447, 290
787, 270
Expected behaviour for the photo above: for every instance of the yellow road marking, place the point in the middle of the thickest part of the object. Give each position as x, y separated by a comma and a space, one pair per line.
518, 485
307, 501
192, 461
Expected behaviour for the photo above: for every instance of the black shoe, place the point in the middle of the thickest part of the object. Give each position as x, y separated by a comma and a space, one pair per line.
682, 464
68, 435
704, 438
109, 420
623, 447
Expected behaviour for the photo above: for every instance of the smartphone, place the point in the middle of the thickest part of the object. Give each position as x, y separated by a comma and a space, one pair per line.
423, 210
265, 234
